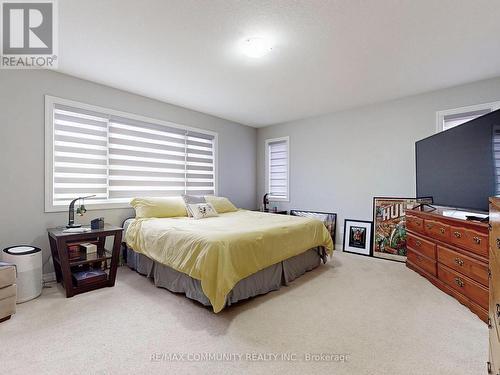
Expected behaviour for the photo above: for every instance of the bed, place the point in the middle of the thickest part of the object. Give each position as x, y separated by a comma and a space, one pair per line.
220, 260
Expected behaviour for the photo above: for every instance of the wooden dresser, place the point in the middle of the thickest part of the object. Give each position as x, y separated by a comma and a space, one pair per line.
494, 318
452, 254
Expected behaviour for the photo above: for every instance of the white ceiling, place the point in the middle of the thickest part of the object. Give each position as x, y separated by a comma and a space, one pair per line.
328, 55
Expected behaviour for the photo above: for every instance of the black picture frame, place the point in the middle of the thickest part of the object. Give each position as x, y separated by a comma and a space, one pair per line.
368, 241
305, 213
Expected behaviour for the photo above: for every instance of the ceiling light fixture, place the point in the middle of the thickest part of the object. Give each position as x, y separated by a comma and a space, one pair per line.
256, 47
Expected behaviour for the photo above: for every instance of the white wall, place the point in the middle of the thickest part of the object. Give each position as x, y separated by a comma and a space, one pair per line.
22, 217
340, 161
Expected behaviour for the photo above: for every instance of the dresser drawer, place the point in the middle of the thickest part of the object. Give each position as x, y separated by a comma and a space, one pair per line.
437, 230
468, 266
452, 292
479, 311
471, 240
422, 262
414, 223
421, 245
495, 292
468, 287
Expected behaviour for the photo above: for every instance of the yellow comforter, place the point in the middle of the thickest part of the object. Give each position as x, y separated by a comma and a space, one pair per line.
220, 251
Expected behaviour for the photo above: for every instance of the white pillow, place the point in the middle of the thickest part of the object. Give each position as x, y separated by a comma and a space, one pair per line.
202, 210
192, 199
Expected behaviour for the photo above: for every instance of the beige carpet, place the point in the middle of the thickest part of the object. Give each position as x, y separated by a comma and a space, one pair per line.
384, 317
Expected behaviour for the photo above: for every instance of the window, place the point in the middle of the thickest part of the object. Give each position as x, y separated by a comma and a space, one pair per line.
277, 169
117, 156
454, 117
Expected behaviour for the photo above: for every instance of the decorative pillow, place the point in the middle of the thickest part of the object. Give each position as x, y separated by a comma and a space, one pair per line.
202, 210
192, 199
221, 204
159, 207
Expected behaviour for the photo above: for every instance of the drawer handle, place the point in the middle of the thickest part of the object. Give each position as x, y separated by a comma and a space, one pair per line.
418, 243
459, 282
477, 240
429, 226
498, 243
459, 261
457, 234
442, 230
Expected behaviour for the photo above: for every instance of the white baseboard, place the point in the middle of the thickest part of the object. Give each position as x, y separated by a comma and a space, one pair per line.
49, 277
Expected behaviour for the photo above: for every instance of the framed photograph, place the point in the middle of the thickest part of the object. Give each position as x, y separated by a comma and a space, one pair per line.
358, 237
389, 226
328, 218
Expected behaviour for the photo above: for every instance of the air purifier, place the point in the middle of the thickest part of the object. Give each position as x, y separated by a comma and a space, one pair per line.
28, 261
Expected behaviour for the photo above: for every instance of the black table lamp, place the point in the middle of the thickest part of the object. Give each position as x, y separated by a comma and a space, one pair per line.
265, 201
71, 211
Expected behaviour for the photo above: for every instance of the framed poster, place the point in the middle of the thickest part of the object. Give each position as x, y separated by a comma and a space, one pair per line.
389, 222
328, 218
358, 237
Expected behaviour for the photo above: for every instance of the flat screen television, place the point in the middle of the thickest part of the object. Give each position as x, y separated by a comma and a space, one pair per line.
460, 167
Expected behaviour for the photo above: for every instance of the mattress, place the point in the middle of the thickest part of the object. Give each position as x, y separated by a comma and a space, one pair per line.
221, 251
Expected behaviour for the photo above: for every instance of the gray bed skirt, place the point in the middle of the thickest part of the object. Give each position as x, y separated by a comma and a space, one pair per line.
264, 281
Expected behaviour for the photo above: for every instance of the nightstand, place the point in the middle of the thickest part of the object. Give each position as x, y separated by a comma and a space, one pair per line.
68, 264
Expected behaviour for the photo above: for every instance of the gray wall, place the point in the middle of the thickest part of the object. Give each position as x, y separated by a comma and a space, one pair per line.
22, 219
340, 161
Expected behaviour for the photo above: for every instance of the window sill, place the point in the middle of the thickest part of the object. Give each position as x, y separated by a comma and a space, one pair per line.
275, 199
91, 207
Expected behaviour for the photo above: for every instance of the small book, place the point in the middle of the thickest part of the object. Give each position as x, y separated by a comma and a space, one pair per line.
89, 277
74, 251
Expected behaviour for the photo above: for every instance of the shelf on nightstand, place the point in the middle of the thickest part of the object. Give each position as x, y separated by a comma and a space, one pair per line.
85, 258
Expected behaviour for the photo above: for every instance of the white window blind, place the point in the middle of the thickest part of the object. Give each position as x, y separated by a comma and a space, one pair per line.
451, 118
116, 158
450, 121
277, 168
154, 160
80, 155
